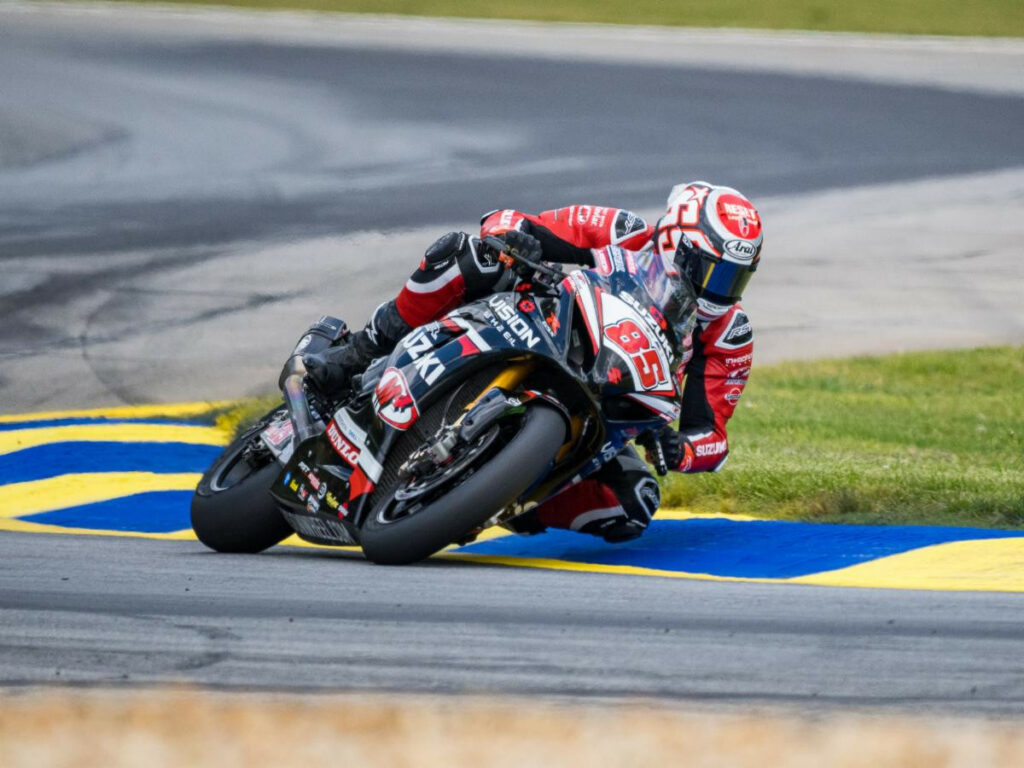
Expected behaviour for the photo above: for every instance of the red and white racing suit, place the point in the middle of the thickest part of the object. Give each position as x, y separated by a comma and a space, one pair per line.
715, 374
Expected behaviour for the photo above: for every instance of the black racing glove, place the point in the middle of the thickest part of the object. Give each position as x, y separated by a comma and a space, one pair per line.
676, 447
525, 246
330, 371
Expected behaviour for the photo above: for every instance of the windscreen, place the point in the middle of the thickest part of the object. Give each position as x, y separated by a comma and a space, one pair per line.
672, 295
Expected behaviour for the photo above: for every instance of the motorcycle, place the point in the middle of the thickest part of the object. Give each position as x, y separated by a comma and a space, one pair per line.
470, 422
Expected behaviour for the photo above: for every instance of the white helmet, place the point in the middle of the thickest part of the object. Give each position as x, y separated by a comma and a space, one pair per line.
712, 236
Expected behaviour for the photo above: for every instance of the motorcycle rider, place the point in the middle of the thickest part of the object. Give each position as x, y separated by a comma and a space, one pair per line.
709, 235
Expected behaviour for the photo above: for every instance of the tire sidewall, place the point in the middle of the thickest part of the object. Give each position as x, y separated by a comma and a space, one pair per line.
493, 486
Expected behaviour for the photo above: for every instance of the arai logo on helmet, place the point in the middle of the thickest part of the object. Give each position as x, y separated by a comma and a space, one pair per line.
741, 250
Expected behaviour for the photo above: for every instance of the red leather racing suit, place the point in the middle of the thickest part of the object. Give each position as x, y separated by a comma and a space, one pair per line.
715, 373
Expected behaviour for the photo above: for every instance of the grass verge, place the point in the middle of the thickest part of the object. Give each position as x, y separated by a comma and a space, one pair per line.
1001, 18
921, 438
924, 437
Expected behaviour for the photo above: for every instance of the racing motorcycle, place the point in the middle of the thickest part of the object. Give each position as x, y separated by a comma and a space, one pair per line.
470, 422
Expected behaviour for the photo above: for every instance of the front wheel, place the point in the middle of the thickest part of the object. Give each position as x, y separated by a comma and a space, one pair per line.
486, 489
232, 509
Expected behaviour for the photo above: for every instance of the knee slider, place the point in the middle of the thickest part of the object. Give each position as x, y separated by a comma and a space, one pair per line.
445, 249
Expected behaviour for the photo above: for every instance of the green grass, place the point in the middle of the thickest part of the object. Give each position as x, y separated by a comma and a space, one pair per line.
921, 438
1003, 18
932, 437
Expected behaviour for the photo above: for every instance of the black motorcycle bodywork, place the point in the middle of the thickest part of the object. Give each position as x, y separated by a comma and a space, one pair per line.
595, 346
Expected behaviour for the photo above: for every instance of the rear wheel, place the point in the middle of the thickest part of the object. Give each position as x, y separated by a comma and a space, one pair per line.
423, 515
232, 509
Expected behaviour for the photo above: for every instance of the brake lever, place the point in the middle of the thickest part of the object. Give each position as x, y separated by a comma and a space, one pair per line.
650, 442
501, 247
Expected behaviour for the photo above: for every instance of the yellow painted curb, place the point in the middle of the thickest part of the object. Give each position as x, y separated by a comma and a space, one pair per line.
169, 410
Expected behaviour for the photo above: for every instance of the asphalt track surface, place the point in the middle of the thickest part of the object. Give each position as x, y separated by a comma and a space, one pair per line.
130, 152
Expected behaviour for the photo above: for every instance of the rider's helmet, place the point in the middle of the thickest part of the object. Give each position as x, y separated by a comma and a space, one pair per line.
712, 236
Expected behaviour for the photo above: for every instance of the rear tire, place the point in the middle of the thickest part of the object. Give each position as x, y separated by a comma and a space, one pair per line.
232, 509
493, 486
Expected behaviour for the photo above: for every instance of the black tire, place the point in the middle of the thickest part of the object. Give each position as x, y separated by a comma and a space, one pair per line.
493, 486
232, 509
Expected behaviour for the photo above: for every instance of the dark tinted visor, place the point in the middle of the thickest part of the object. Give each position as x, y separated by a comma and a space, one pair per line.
716, 280
725, 282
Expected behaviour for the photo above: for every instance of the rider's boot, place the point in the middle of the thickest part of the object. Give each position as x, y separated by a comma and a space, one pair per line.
331, 370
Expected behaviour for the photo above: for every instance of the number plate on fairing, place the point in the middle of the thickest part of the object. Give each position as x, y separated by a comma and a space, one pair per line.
631, 338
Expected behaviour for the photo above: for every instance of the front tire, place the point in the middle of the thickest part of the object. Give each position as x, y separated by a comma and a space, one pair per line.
232, 509
493, 486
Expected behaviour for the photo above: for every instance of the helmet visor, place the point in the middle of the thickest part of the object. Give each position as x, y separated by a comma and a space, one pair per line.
724, 281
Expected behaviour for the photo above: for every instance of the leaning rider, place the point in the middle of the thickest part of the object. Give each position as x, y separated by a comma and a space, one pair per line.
709, 235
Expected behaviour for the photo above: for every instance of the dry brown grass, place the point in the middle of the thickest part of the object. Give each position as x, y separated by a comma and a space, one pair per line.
110, 729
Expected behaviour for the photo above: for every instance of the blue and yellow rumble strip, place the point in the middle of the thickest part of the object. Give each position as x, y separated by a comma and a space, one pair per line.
131, 472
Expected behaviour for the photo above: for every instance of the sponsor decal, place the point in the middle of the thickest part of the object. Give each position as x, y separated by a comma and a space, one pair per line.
421, 350
314, 481
527, 306
651, 317
278, 434
626, 225
552, 323
313, 505
618, 263
649, 495
658, 316
608, 452
738, 333
733, 395
342, 447
507, 313
331, 500
712, 449
505, 220
394, 401
739, 216
614, 375
741, 250
293, 485
741, 360
632, 340
303, 493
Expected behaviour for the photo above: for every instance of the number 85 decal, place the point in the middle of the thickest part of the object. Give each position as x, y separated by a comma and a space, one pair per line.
630, 339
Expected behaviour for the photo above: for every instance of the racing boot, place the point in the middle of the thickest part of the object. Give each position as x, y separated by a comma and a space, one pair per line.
331, 370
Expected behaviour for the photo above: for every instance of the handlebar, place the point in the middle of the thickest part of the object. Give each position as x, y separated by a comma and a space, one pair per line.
499, 246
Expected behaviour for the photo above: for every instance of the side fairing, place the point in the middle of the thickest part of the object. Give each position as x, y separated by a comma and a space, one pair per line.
632, 356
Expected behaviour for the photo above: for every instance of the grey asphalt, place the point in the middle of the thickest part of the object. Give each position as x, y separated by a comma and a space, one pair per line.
141, 168
100, 611
116, 141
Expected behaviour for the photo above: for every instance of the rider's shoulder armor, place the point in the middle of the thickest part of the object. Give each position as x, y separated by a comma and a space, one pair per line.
729, 333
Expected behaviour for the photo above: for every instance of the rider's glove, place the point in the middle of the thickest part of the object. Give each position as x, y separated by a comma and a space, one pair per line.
330, 371
523, 245
677, 448
322, 334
